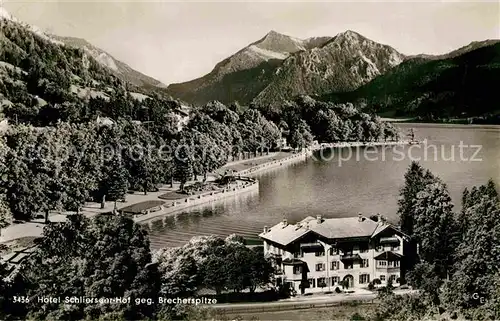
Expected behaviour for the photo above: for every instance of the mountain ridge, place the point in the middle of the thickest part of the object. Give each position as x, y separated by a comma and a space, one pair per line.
460, 84
119, 68
252, 74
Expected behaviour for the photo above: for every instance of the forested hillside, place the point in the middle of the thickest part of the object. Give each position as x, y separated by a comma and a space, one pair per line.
458, 85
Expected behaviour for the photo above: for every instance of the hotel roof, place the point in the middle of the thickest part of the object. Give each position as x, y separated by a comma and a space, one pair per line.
332, 228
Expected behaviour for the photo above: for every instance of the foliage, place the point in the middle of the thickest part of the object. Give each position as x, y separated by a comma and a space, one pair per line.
435, 227
468, 252
106, 257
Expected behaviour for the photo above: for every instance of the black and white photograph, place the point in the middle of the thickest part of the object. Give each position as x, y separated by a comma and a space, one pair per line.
249, 160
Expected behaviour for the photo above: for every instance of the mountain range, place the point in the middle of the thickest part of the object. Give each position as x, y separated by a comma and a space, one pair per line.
351, 68
462, 83
278, 67
347, 67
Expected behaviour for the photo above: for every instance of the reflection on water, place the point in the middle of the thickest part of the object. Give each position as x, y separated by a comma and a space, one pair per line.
322, 187
209, 219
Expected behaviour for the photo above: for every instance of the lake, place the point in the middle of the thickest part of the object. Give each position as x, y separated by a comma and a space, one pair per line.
343, 182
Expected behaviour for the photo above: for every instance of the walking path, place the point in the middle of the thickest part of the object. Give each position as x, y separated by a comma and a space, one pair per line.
301, 302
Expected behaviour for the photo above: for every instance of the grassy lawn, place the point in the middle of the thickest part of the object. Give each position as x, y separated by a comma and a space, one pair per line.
175, 195
254, 162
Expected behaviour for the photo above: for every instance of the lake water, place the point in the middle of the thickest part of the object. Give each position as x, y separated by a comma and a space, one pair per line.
336, 185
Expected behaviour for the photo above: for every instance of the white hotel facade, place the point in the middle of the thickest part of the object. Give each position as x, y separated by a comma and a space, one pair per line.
316, 254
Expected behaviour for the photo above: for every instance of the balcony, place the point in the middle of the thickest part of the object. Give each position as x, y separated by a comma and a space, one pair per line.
350, 257
388, 269
311, 246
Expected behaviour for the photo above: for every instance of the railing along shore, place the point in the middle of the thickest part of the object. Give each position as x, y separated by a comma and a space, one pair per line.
302, 155
249, 184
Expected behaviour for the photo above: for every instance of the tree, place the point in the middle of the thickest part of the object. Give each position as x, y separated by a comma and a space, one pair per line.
434, 227
5, 213
300, 135
183, 165
179, 272
107, 256
416, 178
116, 181
260, 269
424, 277
214, 274
477, 256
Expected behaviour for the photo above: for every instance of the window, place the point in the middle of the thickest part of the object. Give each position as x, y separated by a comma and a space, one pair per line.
321, 282
334, 251
347, 266
268, 246
363, 248
382, 278
364, 278
396, 263
379, 248
393, 278
334, 265
395, 247
312, 283
297, 269
389, 263
382, 263
364, 263
335, 280
298, 254
321, 253
320, 267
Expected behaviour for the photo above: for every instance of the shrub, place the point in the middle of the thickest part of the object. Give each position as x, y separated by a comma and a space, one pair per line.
371, 286
338, 290
357, 317
376, 281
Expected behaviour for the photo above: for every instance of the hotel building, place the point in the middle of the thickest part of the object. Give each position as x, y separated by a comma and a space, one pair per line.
316, 254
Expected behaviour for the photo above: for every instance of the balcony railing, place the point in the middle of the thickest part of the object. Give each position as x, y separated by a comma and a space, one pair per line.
350, 256
388, 269
309, 245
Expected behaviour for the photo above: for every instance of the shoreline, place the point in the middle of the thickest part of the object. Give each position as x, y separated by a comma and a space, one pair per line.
305, 154
198, 200
34, 228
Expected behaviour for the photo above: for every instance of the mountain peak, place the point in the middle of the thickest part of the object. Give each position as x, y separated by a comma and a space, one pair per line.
349, 34
274, 33
279, 42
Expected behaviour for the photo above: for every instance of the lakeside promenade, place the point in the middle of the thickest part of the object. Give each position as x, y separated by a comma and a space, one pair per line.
245, 168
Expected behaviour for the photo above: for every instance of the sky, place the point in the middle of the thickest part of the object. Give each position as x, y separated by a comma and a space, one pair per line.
179, 41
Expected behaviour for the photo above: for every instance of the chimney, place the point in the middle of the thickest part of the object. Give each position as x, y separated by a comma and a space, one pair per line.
360, 217
319, 219
379, 218
285, 222
266, 229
